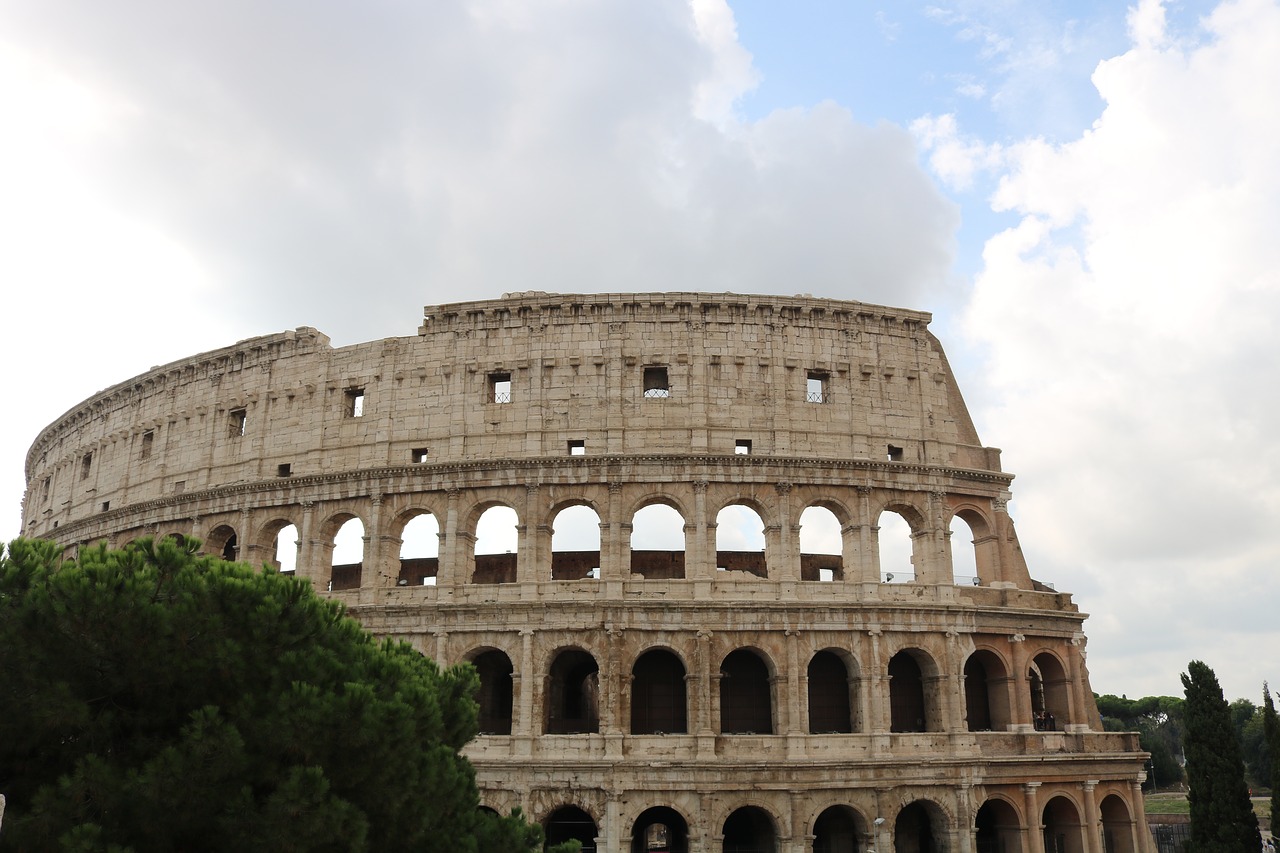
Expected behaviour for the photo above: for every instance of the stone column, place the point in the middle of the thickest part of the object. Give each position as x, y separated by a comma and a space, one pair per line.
878, 688
304, 567
450, 570
956, 711
1142, 840
796, 727
533, 560
524, 726
800, 840
1021, 706
1092, 820
700, 560
1079, 721
707, 718
868, 568
442, 645
1034, 841
965, 828
615, 549
786, 551
611, 681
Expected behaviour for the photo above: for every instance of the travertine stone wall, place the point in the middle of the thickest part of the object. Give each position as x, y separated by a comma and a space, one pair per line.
537, 402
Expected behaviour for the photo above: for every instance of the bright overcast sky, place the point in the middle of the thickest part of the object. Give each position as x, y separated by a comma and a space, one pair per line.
1087, 199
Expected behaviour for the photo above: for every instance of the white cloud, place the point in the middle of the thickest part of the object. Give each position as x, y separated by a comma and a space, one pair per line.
1131, 322
215, 171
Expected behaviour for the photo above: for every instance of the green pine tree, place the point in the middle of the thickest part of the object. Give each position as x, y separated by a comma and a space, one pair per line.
156, 700
1222, 818
1271, 729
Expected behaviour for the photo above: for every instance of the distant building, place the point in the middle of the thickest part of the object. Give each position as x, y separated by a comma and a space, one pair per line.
793, 694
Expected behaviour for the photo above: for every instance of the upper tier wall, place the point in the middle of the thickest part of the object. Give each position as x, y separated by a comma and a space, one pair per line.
792, 377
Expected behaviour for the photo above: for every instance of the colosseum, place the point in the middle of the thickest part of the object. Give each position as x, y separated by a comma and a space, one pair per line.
662, 528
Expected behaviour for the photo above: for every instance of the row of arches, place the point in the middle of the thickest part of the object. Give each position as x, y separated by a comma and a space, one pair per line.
657, 537
1064, 823
746, 690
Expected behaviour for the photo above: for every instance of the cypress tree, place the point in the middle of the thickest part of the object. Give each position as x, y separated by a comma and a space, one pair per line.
1222, 818
1271, 730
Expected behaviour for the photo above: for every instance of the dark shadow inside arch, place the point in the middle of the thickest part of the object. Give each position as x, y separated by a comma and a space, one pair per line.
915, 831
573, 694
750, 830
837, 830
660, 830
830, 709
495, 695
569, 823
658, 695
1063, 832
997, 829
906, 695
746, 698
986, 696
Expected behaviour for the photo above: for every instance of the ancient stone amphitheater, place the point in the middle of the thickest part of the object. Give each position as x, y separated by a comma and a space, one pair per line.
735, 680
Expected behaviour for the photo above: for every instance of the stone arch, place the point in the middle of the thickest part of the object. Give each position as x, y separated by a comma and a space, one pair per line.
418, 531
986, 692
650, 528
223, 542
915, 703
997, 827
746, 692
575, 541
660, 828
659, 700
750, 829
739, 547
342, 537
975, 561
899, 560
497, 689
832, 693
1063, 829
821, 543
570, 822
921, 826
840, 829
1050, 688
572, 696
266, 540
1117, 825
494, 529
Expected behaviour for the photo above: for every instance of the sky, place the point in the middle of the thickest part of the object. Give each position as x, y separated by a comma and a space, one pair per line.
1085, 195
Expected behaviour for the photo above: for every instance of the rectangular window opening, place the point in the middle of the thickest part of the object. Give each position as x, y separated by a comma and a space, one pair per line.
239, 421
86, 465
577, 447
816, 390
500, 387
895, 453
179, 487
148, 441
656, 384
742, 447
44, 490
106, 505
284, 469
418, 455
353, 402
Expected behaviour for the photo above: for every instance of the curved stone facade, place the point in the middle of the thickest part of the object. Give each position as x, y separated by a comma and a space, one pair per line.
778, 698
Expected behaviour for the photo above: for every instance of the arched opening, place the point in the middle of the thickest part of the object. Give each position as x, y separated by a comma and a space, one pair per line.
348, 555
1048, 683
1063, 831
830, 695
821, 545
569, 823
657, 543
838, 830
740, 541
495, 695
895, 545
920, 828
575, 544
660, 830
913, 700
223, 542
658, 700
986, 693
997, 829
964, 557
286, 549
750, 830
420, 551
497, 543
573, 694
746, 697
1117, 825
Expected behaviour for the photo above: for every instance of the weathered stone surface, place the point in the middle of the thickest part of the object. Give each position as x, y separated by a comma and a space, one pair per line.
683, 687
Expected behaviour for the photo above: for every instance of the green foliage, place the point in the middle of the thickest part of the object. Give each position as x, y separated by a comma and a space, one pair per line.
1159, 723
1271, 735
1222, 818
152, 700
